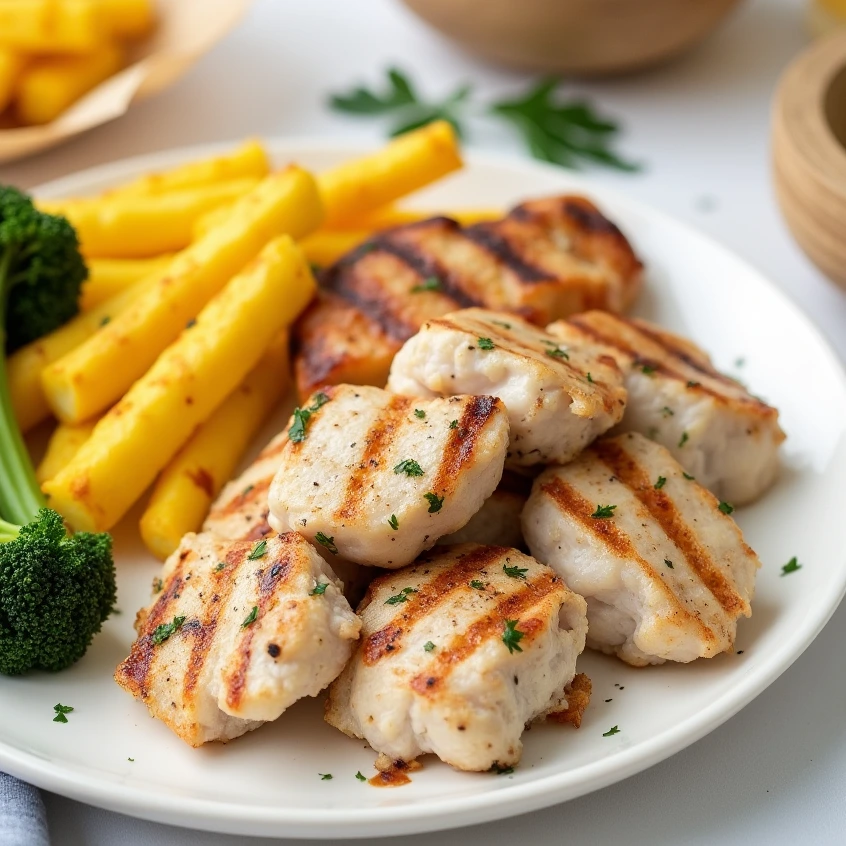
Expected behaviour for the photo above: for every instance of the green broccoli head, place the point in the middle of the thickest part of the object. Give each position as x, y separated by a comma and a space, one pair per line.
41, 267
55, 593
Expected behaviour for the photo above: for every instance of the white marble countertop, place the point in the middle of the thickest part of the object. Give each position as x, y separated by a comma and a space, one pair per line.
776, 772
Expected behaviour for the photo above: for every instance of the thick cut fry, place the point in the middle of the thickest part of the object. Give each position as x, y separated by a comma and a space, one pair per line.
11, 64
144, 226
209, 220
141, 434
48, 86
25, 366
127, 18
186, 487
95, 375
326, 246
390, 216
51, 26
406, 164
65, 443
108, 277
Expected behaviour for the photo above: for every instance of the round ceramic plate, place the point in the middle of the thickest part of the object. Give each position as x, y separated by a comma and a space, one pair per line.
110, 753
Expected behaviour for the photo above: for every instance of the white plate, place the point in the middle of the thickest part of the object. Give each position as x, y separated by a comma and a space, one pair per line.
267, 782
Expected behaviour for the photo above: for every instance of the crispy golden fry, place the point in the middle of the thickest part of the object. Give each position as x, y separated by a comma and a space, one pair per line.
51, 26
406, 164
65, 443
186, 487
326, 246
127, 18
108, 277
129, 226
48, 86
391, 216
11, 64
141, 434
25, 366
96, 374
205, 223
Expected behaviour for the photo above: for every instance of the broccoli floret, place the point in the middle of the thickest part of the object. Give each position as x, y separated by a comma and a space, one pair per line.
40, 267
56, 590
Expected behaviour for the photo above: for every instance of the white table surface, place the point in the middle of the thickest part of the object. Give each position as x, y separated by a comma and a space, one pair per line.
776, 772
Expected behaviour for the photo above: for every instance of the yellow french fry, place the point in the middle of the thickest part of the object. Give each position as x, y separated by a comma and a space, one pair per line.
47, 86
141, 434
185, 489
209, 220
64, 444
26, 365
141, 226
51, 26
92, 377
127, 18
11, 64
326, 246
108, 277
409, 162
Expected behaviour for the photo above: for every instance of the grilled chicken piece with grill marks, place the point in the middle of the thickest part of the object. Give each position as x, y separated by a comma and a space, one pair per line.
720, 433
458, 653
497, 522
237, 633
377, 478
546, 260
558, 398
664, 569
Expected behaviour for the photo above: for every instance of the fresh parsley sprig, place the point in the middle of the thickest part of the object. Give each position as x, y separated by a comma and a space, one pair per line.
564, 132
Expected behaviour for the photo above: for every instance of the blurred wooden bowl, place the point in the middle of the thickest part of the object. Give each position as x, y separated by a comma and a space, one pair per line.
809, 153
584, 37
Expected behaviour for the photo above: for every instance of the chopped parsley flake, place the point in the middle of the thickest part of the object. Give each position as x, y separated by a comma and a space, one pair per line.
191, 323
558, 353
485, 343
662, 480
221, 565
250, 618
498, 770
669, 563
326, 542
61, 710
791, 567
430, 283
435, 502
501, 323
612, 731
726, 507
360, 777
684, 439
667, 411
410, 467
158, 584
402, 596
131, 760
453, 424
297, 431
515, 572
419, 414
105, 320
428, 646
393, 522
258, 551
319, 589
692, 384
589, 377
688, 476
475, 583
325, 776
511, 636
162, 632
648, 369
603, 511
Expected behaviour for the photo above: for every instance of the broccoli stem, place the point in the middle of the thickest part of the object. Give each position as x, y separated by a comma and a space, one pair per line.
20, 495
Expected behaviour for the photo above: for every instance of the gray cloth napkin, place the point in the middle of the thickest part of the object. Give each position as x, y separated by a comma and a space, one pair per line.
23, 820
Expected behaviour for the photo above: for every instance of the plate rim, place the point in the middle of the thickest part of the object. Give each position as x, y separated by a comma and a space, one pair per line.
443, 813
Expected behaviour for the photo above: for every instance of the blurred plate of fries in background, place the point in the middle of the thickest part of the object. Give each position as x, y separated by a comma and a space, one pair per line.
67, 66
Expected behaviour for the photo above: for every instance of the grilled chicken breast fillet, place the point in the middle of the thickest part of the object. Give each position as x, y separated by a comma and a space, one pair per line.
434, 671
497, 522
237, 634
719, 432
558, 398
378, 478
547, 259
665, 571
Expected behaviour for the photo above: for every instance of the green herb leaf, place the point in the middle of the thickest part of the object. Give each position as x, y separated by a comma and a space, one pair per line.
257, 551
612, 731
158, 585
402, 596
410, 467
692, 384
435, 502
163, 631
603, 512
428, 646
475, 583
648, 369
669, 563
61, 710
791, 567
485, 343
327, 542
393, 522
221, 565
430, 283
453, 424
684, 439
319, 589
515, 572
325, 776
501, 323
558, 353
360, 777
498, 770
662, 480
667, 411
688, 476
511, 636
726, 507
419, 414
250, 618
297, 430
589, 377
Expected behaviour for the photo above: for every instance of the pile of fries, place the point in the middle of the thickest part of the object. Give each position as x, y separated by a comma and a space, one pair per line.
52, 52
181, 349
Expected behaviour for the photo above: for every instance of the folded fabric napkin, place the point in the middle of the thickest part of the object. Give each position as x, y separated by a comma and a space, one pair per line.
23, 820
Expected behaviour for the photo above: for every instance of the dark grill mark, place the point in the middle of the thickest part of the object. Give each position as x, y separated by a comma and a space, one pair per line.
664, 512
486, 236
588, 218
